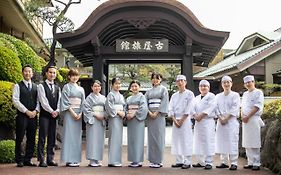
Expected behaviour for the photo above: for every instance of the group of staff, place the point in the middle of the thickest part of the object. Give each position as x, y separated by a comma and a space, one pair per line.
204, 141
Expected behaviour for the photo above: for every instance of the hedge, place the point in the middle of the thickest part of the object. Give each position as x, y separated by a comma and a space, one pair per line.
9, 65
272, 109
7, 150
25, 53
7, 109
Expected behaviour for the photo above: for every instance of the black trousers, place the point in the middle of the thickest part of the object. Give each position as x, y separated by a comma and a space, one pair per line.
47, 128
28, 126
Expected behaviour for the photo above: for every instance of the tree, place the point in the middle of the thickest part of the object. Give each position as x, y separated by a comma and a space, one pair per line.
54, 16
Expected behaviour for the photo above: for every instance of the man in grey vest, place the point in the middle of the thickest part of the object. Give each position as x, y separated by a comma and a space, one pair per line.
26, 101
49, 97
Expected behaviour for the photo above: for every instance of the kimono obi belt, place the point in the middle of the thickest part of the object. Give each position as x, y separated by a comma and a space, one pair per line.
74, 102
118, 107
154, 103
133, 109
98, 110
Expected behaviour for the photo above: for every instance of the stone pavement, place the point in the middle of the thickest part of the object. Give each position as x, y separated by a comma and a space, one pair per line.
11, 169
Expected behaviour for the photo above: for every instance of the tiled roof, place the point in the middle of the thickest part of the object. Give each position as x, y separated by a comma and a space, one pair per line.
232, 60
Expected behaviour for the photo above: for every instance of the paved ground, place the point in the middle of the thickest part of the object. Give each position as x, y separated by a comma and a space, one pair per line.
11, 169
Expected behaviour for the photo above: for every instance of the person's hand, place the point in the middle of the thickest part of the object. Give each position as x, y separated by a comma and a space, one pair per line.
121, 114
55, 114
176, 122
130, 116
245, 118
223, 120
99, 117
29, 114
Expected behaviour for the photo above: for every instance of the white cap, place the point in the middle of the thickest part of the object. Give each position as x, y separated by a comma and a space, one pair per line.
248, 78
181, 77
204, 82
226, 78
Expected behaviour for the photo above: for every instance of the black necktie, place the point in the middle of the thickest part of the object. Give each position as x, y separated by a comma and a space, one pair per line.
52, 90
28, 86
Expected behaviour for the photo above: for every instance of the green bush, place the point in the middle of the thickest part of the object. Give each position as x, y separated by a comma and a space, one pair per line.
25, 53
9, 65
7, 109
7, 150
62, 75
272, 109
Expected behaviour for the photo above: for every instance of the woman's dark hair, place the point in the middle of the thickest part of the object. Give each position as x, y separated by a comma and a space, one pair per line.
156, 75
114, 80
132, 82
73, 72
95, 81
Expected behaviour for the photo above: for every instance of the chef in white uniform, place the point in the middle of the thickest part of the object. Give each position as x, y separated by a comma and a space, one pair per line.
227, 130
180, 109
204, 129
252, 108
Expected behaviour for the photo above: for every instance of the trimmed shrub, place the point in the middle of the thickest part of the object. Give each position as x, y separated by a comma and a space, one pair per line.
9, 65
25, 53
7, 109
272, 109
7, 150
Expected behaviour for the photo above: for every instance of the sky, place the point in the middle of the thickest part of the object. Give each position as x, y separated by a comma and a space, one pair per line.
239, 17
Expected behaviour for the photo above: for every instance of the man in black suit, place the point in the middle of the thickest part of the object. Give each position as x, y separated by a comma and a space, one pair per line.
49, 97
26, 101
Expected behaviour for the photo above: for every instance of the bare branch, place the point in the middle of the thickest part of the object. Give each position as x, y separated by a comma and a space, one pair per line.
77, 2
58, 1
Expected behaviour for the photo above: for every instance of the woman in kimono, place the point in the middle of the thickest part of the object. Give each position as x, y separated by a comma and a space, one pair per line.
251, 111
94, 117
136, 109
158, 104
72, 98
227, 130
180, 110
114, 106
204, 129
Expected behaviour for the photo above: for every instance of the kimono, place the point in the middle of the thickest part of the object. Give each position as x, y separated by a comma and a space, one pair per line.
115, 102
227, 136
158, 100
95, 129
204, 131
72, 97
136, 104
182, 104
251, 131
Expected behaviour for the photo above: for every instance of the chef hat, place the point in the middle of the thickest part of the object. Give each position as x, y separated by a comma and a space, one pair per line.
248, 78
226, 78
204, 82
181, 77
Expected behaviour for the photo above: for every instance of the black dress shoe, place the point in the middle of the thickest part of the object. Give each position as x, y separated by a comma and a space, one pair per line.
198, 165
248, 166
43, 164
233, 167
185, 166
29, 164
222, 166
256, 168
177, 165
19, 164
208, 167
52, 163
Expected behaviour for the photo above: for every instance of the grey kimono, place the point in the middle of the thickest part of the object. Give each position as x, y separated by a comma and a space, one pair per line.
95, 129
138, 105
115, 102
157, 100
72, 96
